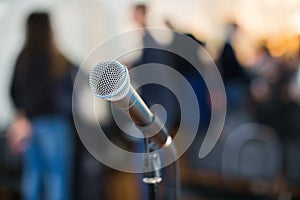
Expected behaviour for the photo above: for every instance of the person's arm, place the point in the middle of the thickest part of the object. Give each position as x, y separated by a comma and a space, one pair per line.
15, 84
20, 129
19, 133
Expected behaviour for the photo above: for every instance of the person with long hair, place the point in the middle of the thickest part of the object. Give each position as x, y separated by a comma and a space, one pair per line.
42, 94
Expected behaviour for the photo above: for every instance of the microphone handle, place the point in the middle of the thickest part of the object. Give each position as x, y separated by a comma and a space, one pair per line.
151, 126
135, 108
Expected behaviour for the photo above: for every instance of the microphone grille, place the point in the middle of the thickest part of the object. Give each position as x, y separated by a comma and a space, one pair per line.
109, 80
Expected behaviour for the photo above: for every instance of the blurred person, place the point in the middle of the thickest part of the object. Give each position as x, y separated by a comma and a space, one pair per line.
189, 71
265, 88
155, 56
294, 86
234, 76
42, 94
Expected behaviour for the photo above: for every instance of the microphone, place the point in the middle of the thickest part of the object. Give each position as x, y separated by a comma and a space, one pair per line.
110, 80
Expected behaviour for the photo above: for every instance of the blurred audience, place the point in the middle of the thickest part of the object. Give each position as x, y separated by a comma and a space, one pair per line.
273, 89
42, 94
270, 88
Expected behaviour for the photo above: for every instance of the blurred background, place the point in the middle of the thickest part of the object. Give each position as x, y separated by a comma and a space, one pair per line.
256, 46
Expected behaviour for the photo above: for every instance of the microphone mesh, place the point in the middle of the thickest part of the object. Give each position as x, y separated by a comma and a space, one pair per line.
109, 80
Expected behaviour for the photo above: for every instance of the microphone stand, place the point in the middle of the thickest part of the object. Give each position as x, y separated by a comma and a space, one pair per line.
152, 165
152, 176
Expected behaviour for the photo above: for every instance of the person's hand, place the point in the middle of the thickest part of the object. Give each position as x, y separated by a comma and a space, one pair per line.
19, 134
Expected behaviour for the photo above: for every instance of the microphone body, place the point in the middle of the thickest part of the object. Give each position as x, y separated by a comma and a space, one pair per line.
150, 125
138, 110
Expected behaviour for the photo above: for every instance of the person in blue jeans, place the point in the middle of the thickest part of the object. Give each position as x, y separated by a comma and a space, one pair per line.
42, 93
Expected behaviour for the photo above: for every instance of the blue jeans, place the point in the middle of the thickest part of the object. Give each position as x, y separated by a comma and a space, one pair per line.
48, 160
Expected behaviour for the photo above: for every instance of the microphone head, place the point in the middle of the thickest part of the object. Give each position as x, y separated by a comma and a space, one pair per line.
110, 80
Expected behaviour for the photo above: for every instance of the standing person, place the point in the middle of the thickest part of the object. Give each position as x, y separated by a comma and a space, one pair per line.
42, 93
155, 54
234, 76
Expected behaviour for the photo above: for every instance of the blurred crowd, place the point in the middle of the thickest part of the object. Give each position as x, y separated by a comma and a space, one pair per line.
256, 156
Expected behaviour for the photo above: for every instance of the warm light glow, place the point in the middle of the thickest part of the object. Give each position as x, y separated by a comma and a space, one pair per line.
295, 20
260, 20
277, 46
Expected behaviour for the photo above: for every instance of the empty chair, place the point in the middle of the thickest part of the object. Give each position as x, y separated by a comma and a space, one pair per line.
211, 162
252, 151
293, 162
